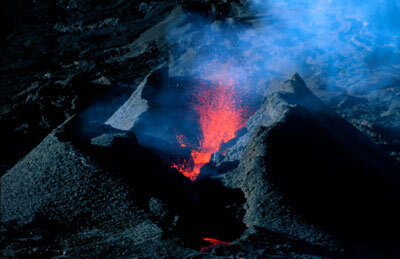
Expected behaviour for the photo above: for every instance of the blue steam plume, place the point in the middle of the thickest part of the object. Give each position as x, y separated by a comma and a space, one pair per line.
349, 45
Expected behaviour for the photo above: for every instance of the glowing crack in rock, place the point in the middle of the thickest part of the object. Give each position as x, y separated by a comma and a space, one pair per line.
213, 243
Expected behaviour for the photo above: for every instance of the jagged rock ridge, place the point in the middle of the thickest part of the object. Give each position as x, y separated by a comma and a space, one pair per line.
307, 183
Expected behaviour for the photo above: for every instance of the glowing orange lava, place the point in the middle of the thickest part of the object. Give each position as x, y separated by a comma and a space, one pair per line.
220, 116
180, 139
213, 242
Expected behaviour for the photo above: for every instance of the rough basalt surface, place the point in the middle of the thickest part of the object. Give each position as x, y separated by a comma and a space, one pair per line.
308, 173
313, 173
307, 183
58, 57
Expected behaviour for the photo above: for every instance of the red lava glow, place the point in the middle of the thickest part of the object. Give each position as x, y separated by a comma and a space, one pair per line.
180, 139
220, 116
213, 243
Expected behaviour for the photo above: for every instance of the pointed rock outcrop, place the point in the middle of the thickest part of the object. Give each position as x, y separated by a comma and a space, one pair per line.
309, 174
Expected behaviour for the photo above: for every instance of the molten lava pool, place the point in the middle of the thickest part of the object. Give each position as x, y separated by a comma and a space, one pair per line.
220, 117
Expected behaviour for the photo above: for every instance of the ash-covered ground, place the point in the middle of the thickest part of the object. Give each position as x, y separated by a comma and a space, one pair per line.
314, 173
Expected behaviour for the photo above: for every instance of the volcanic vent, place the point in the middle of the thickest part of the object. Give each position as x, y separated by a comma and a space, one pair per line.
306, 181
220, 116
186, 120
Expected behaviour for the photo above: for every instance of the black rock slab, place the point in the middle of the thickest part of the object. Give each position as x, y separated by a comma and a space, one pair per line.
308, 173
61, 191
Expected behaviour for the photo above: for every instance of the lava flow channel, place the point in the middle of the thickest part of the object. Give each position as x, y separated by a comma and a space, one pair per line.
213, 243
220, 117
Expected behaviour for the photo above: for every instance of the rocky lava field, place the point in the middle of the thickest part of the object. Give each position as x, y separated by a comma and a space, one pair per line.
116, 141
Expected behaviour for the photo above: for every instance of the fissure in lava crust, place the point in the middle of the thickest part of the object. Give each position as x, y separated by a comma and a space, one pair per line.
221, 115
213, 243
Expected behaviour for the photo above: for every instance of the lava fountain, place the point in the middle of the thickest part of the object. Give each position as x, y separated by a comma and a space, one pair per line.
220, 117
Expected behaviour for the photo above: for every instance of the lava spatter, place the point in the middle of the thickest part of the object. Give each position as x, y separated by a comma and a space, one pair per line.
220, 116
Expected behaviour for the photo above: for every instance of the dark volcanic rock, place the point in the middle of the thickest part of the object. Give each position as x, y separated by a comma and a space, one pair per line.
90, 190
84, 204
309, 174
60, 55
377, 114
299, 181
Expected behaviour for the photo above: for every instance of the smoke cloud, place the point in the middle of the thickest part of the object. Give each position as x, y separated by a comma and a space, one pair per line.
352, 45
335, 45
